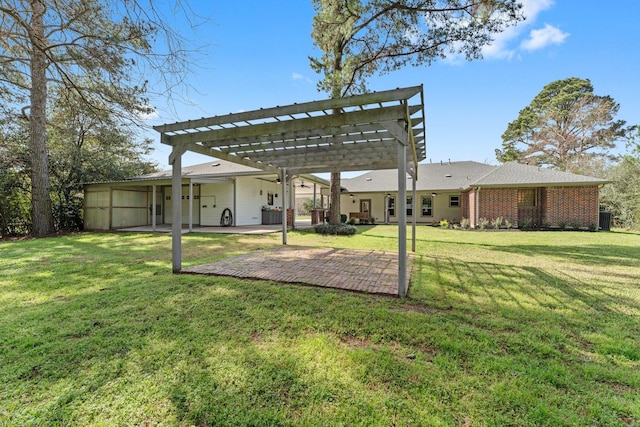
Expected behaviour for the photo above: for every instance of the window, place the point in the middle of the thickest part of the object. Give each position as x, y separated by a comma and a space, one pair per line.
454, 201
391, 206
527, 197
409, 206
427, 204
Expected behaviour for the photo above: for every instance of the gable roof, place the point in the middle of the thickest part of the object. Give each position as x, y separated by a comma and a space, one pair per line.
518, 174
210, 169
457, 176
452, 176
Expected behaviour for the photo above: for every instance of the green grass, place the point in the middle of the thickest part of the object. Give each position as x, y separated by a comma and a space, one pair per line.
501, 328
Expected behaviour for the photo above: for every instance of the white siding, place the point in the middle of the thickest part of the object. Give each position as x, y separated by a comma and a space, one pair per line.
249, 201
214, 198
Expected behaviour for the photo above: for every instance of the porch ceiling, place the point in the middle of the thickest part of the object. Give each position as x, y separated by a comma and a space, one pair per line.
346, 134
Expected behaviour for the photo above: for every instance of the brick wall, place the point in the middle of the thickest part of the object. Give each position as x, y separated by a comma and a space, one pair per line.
499, 202
572, 205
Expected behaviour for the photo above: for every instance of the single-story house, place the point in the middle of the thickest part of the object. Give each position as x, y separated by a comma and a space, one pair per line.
521, 193
516, 192
213, 194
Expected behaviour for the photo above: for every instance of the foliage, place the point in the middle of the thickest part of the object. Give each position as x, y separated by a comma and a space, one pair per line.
465, 223
566, 127
501, 329
508, 223
622, 195
101, 51
84, 146
308, 206
497, 222
444, 223
483, 223
359, 38
341, 229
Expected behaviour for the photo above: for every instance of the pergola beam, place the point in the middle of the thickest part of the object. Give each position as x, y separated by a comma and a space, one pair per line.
295, 109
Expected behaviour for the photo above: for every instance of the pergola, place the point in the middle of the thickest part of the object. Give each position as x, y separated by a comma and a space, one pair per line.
380, 130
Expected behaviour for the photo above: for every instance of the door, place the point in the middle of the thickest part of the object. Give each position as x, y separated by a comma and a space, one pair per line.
365, 208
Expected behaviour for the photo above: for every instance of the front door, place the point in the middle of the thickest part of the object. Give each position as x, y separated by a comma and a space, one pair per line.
365, 208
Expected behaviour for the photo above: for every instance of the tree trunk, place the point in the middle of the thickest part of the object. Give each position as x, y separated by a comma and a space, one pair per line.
41, 211
334, 202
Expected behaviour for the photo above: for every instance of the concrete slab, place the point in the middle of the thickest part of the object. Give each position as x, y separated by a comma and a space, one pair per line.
365, 271
247, 229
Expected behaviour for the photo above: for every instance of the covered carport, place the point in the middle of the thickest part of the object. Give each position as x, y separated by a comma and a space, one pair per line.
381, 130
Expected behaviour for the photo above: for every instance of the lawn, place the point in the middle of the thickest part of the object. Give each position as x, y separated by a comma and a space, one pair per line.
499, 328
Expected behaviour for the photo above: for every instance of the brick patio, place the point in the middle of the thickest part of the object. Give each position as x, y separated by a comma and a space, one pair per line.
355, 270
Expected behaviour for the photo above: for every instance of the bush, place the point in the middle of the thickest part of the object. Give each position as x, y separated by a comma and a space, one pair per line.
508, 223
526, 223
465, 223
343, 218
351, 221
483, 223
444, 223
335, 229
496, 222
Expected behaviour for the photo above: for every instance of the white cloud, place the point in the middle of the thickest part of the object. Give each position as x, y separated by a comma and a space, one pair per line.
299, 77
500, 47
544, 37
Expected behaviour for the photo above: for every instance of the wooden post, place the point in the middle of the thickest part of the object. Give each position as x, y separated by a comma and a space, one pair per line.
190, 205
413, 211
283, 182
401, 213
153, 208
175, 159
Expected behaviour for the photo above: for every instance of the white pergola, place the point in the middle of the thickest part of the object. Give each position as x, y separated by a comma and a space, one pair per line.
380, 130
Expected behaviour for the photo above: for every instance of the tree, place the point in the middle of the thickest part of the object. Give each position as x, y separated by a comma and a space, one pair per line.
88, 146
566, 127
360, 38
622, 195
96, 48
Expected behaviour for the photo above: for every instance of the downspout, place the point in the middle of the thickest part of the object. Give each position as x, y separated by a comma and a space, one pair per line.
477, 206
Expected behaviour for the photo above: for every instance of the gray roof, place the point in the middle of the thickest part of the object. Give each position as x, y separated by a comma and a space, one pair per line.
209, 169
452, 176
456, 176
518, 174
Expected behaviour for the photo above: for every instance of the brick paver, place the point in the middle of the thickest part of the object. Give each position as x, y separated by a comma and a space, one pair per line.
357, 270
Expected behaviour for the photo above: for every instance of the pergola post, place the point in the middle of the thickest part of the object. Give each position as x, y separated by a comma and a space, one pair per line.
190, 206
413, 211
402, 219
283, 182
175, 159
153, 207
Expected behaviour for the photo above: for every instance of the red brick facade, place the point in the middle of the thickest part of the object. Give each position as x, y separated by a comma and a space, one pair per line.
498, 202
569, 205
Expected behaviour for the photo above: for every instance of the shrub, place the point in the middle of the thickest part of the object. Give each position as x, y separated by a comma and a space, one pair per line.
444, 223
546, 224
372, 220
335, 229
496, 222
576, 225
343, 218
465, 223
351, 221
508, 223
562, 225
593, 227
483, 223
527, 223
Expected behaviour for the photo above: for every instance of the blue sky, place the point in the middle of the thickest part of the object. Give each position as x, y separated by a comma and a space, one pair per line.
257, 57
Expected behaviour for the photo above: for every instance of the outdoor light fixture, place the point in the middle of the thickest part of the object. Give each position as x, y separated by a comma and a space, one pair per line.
278, 180
434, 194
